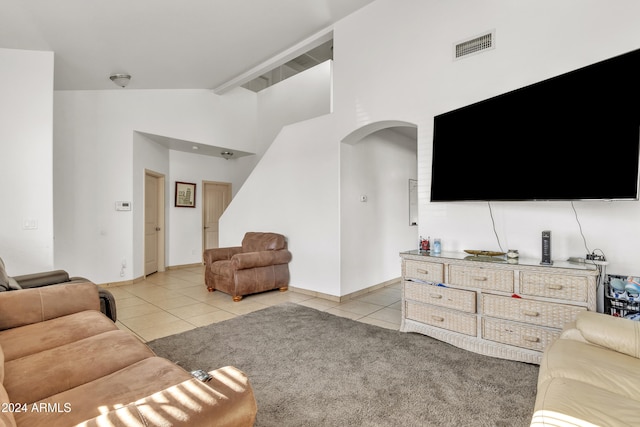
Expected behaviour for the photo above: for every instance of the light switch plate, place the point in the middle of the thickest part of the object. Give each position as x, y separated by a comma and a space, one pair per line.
30, 224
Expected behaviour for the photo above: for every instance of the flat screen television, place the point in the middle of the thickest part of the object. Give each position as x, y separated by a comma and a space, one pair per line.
571, 137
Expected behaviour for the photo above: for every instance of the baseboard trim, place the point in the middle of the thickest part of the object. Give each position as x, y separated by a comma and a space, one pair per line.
178, 267
346, 297
123, 283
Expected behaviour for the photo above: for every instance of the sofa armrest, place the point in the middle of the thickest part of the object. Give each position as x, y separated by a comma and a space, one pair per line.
217, 254
27, 306
42, 279
260, 259
226, 400
615, 333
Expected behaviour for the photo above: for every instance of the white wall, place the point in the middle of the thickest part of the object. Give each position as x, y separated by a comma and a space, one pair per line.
281, 194
150, 156
185, 241
372, 234
100, 159
26, 190
394, 60
294, 191
298, 98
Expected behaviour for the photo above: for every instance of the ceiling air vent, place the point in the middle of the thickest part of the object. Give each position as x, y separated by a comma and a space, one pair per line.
475, 45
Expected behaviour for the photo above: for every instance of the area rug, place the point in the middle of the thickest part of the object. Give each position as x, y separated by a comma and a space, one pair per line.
311, 368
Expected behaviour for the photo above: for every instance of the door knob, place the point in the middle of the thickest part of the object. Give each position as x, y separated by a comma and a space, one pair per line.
157, 228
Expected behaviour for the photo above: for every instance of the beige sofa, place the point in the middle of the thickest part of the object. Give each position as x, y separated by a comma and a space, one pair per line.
591, 374
64, 363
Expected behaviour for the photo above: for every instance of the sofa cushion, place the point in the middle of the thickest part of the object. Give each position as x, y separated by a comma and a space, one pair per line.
109, 392
31, 339
615, 333
6, 414
27, 306
609, 370
567, 402
40, 375
227, 399
223, 269
254, 242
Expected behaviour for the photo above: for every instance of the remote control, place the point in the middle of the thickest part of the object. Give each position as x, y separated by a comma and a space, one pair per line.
202, 375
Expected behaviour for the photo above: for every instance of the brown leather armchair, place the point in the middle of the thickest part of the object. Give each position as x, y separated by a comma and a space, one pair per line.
260, 264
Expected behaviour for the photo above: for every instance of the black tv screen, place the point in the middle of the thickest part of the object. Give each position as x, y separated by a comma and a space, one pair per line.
572, 137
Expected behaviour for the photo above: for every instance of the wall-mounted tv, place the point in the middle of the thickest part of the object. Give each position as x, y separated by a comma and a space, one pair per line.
572, 137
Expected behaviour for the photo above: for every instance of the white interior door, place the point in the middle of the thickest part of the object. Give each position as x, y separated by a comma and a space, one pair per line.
153, 224
216, 198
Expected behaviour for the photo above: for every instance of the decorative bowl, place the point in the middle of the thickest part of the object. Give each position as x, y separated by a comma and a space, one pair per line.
483, 253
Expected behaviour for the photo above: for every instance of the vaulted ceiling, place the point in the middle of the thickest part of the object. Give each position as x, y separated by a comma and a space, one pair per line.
163, 44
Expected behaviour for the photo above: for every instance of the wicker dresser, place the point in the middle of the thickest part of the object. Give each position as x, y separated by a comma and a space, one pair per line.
491, 306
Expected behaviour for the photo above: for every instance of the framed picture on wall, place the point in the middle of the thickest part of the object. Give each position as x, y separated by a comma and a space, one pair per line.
185, 195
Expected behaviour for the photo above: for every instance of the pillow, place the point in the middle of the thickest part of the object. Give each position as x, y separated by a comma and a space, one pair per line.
7, 283
4, 279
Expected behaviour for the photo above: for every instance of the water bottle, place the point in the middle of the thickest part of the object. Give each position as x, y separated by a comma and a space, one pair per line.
437, 246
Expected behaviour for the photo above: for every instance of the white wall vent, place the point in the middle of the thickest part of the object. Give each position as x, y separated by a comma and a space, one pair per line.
475, 45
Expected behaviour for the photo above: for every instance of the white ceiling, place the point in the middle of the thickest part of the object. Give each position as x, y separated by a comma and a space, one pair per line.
163, 44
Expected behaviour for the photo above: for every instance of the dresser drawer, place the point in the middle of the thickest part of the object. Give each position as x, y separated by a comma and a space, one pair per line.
528, 311
442, 318
481, 277
571, 288
519, 335
426, 271
444, 297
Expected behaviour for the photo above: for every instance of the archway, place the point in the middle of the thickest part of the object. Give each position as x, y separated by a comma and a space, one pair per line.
357, 135
377, 162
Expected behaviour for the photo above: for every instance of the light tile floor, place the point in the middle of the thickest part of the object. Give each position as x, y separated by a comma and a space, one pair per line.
177, 300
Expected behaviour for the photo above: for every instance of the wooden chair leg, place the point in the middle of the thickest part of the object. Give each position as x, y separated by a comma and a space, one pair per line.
210, 289
284, 289
237, 298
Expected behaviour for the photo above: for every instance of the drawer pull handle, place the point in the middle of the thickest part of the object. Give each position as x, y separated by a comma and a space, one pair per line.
531, 339
480, 278
435, 296
421, 271
437, 318
531, 313
554, 287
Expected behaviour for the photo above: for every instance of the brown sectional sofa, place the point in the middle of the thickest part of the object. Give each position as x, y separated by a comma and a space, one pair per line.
590, 376
64, 363
51, 278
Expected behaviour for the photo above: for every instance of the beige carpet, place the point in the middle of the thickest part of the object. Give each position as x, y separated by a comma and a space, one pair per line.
310, 368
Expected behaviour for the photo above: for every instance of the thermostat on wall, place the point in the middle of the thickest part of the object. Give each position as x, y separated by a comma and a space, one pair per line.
123, 206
